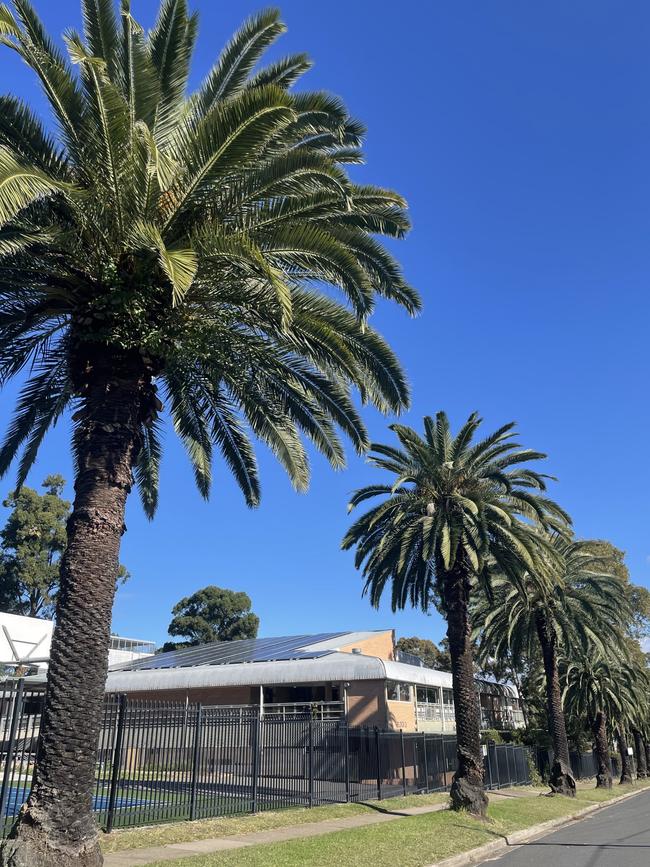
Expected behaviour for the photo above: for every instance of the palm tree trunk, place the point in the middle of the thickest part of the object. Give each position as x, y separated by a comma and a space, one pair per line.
561, 780
599, 730
57, 826
639, 749
646, 745
467, 791
626, 765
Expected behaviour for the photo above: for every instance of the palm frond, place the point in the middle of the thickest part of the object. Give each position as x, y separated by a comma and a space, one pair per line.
283, 73
238, 59
147, 469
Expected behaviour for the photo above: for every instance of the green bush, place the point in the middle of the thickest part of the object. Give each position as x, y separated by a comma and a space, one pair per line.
535, 776
491, 736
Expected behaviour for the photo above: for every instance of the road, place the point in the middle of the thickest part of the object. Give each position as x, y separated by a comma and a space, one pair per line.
617, 836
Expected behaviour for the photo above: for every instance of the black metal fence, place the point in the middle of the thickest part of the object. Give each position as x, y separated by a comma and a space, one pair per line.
168, 761
583, 765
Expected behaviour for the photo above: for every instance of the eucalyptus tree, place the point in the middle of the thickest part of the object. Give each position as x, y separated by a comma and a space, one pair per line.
452, 510
571, 612
599, 690
204, 249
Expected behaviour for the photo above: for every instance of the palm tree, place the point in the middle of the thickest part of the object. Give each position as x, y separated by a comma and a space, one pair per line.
452, 507
160, 245
598, 690
638, 678
571, 612
627, 777
639, 750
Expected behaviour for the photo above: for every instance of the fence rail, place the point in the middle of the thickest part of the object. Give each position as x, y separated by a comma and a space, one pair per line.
583, 765
169, 761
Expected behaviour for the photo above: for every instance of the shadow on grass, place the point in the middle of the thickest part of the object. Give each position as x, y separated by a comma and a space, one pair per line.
374, 805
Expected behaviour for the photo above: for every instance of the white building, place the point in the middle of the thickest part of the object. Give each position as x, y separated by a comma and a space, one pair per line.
25, 643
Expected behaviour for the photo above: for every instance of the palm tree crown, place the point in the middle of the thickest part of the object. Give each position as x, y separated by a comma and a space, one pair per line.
595, 682
580, 605
184, 238
452, 502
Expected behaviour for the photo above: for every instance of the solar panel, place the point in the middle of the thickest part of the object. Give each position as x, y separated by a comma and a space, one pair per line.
232, 652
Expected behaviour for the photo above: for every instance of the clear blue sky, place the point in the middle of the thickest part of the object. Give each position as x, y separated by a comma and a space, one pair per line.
520, 134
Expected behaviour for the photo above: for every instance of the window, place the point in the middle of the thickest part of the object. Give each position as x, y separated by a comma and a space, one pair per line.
398, 691
428, 695
448, 696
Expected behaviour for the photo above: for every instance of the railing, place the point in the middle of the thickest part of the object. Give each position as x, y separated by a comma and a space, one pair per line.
169, 761
430, 712
320, 710
132, 645
505, 719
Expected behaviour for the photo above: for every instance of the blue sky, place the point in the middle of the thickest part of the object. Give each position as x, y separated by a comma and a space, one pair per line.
520, 134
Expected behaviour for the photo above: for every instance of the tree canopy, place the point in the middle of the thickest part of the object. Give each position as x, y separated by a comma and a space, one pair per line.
429, 652
212, 614
187, 237
31, 544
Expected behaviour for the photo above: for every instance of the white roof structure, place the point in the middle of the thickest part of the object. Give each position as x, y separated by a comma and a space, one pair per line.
293, 660
26, 641
334, 666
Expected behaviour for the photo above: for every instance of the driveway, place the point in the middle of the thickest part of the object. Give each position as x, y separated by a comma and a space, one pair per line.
617, 836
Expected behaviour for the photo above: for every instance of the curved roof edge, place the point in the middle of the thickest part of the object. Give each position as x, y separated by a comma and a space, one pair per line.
333, 667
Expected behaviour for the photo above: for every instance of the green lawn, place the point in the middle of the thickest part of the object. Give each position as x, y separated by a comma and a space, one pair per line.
205, 829
411, 842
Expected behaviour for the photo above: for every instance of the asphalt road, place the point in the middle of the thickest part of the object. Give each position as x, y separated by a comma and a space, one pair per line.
617, 836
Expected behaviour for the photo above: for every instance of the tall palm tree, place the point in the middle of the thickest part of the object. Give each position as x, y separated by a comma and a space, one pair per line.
598, 689
573, 611
452, 507
637, 688
164, 246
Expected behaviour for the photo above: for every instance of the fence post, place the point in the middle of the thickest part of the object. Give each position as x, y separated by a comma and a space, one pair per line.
311, 762
489, 764
378, 759
117, 761
257, 746
507, 765
426, 763
196, 756
401, 738
16, 713
347, 763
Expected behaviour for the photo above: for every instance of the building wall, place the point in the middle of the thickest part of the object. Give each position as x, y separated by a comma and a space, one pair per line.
380, 645
119, 657
207, 696
435, 726
366, 703
401, 715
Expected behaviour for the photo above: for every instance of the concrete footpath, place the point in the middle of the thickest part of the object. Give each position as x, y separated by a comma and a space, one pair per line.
174, 851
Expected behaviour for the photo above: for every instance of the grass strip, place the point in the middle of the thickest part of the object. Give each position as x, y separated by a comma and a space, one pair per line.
207, 829
411, 842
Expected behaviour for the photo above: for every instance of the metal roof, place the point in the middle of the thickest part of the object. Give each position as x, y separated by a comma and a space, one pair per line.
333, 666
248, 650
